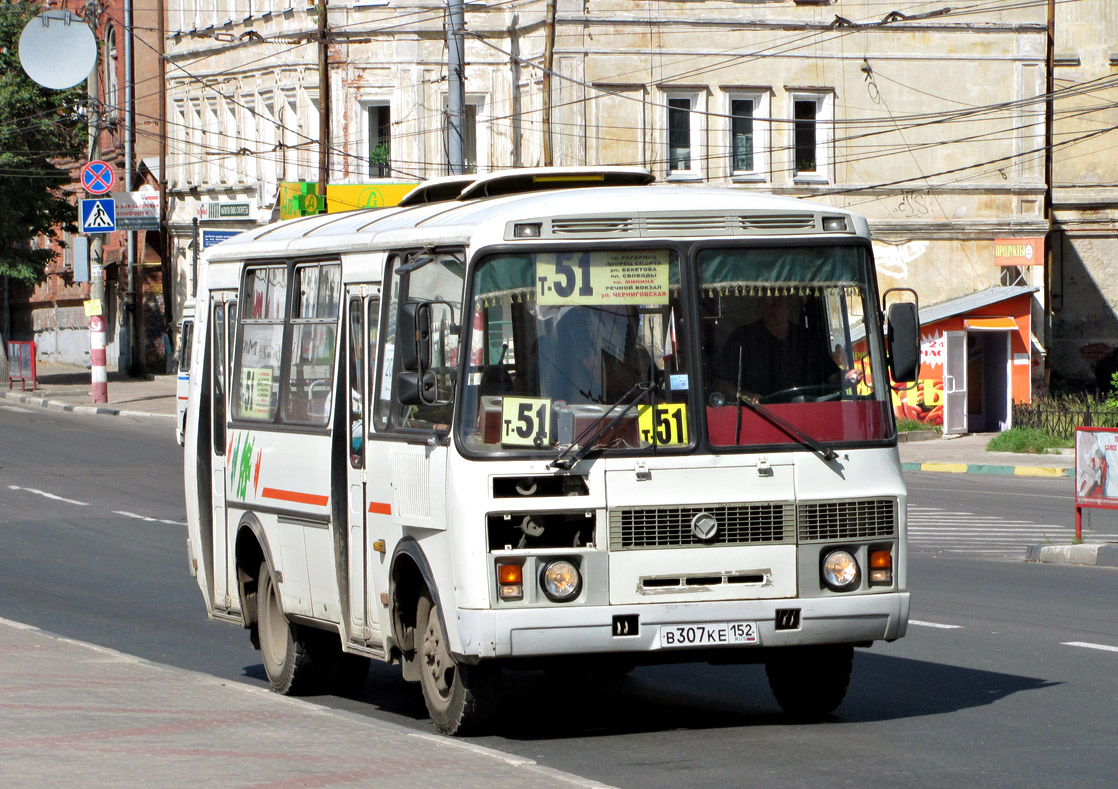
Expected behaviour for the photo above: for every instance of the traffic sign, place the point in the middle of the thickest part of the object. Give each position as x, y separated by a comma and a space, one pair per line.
98, 177
98, 215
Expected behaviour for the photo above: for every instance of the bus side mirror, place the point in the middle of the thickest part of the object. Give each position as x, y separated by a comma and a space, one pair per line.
414, 388
903, 340
413, 336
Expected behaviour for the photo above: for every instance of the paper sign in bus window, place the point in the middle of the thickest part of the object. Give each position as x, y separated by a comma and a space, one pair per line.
256, 392
635, 276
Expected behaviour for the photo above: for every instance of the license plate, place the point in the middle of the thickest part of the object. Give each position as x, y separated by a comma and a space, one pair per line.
708, 635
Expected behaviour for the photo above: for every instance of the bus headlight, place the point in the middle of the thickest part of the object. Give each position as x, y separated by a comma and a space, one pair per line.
560, 581
840, 571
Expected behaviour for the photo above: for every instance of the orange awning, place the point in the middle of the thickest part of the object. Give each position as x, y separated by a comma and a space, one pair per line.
990, 324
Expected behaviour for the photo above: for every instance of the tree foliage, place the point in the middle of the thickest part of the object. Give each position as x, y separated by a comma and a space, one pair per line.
40, 129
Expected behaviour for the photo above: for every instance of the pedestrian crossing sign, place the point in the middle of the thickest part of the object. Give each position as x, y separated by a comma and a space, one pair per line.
98, 215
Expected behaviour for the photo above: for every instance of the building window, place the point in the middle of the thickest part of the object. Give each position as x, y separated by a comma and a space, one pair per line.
380, 140
811, 136
112, 100
474, 135
748, 144
684, 135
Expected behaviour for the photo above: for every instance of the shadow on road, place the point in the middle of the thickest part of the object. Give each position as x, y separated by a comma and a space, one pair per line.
695, 696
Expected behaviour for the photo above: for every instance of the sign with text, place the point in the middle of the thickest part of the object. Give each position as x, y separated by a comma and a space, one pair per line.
137, 210
1018, 251
212, 237
212, 210
602, 277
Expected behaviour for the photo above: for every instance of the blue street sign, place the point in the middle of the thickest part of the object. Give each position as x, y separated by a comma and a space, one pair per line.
98, 215
211, 237
98, 177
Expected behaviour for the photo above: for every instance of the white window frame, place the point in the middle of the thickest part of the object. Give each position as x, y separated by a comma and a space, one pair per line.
761, 134
824, 135
481, 131
366, 141
697, 132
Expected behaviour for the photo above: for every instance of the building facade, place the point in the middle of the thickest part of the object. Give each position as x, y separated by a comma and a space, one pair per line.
933, 122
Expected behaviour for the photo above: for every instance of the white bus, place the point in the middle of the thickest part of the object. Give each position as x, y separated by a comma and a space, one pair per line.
550, 419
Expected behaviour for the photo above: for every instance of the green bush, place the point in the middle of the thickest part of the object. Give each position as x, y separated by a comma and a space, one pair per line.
1027, 439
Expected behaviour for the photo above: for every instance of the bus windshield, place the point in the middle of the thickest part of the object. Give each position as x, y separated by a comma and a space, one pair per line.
563, 342
786, 351
588, 349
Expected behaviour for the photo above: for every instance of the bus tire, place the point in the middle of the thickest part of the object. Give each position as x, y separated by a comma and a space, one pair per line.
285, 648
460, 699
810, 682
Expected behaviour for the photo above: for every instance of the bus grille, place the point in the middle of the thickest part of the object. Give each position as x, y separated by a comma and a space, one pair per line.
670, 527
753, 524
847, 520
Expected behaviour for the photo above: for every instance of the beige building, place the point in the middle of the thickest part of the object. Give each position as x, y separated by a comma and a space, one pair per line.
932, 122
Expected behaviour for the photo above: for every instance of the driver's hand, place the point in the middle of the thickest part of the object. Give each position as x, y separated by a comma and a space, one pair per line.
853, 377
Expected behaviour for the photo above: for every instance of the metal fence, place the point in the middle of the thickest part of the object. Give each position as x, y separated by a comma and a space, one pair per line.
1062, 419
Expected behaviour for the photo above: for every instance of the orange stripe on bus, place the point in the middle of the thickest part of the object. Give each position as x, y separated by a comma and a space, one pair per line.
295, 496
380, 508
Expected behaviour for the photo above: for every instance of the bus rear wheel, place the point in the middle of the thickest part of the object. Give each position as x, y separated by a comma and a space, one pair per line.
285, 648
810, 682
460, 699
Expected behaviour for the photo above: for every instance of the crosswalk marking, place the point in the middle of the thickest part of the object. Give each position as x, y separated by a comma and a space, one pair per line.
953, 531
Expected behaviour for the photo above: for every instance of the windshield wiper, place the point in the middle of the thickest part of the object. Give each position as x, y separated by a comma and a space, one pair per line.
566, 463
822, 450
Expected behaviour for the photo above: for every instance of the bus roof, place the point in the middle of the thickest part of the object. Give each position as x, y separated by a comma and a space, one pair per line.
585, 213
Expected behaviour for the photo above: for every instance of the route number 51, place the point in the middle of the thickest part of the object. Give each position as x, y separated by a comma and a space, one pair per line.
525, 421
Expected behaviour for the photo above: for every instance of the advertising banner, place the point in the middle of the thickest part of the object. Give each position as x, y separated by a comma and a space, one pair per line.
1096, 467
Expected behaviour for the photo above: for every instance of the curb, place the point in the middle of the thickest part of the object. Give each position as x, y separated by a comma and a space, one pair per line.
1098, 555
984, 468
57, 405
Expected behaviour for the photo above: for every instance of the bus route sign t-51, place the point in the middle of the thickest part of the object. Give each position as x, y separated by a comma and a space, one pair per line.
98, 177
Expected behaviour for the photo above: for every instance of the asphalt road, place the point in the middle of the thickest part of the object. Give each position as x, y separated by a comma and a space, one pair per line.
1005, 677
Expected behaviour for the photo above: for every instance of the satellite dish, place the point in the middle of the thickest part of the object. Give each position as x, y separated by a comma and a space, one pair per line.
57, 50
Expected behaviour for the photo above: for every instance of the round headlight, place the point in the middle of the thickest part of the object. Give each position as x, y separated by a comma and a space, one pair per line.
840, 570
560, 581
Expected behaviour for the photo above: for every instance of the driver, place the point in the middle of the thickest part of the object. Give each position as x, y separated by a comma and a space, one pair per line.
775, 354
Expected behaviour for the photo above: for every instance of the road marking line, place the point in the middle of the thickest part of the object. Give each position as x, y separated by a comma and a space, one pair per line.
1088, 645
44, 494
136, 517
934, 624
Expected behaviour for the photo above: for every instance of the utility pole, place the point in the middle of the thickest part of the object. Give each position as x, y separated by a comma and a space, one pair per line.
98, 372
135, 283
548, 64
456, 99
323, 106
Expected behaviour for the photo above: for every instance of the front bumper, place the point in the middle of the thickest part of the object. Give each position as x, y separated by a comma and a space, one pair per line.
543, 632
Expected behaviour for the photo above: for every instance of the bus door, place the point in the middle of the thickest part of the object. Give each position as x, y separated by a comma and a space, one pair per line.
219, 315
406, 467
362, 316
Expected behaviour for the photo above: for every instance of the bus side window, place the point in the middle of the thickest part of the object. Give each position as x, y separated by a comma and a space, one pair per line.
219, 368
186, 336
310, 374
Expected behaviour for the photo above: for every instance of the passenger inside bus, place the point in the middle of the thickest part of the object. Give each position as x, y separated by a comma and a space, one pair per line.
777, 354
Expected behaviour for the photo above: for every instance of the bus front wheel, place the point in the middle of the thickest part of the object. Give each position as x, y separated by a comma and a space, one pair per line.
810, 682
460, 699
285, 647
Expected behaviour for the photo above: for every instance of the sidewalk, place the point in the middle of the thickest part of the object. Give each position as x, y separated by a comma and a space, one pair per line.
967, 455
78, 715
64, 387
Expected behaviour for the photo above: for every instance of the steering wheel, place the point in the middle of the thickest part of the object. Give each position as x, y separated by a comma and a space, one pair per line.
813, 393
